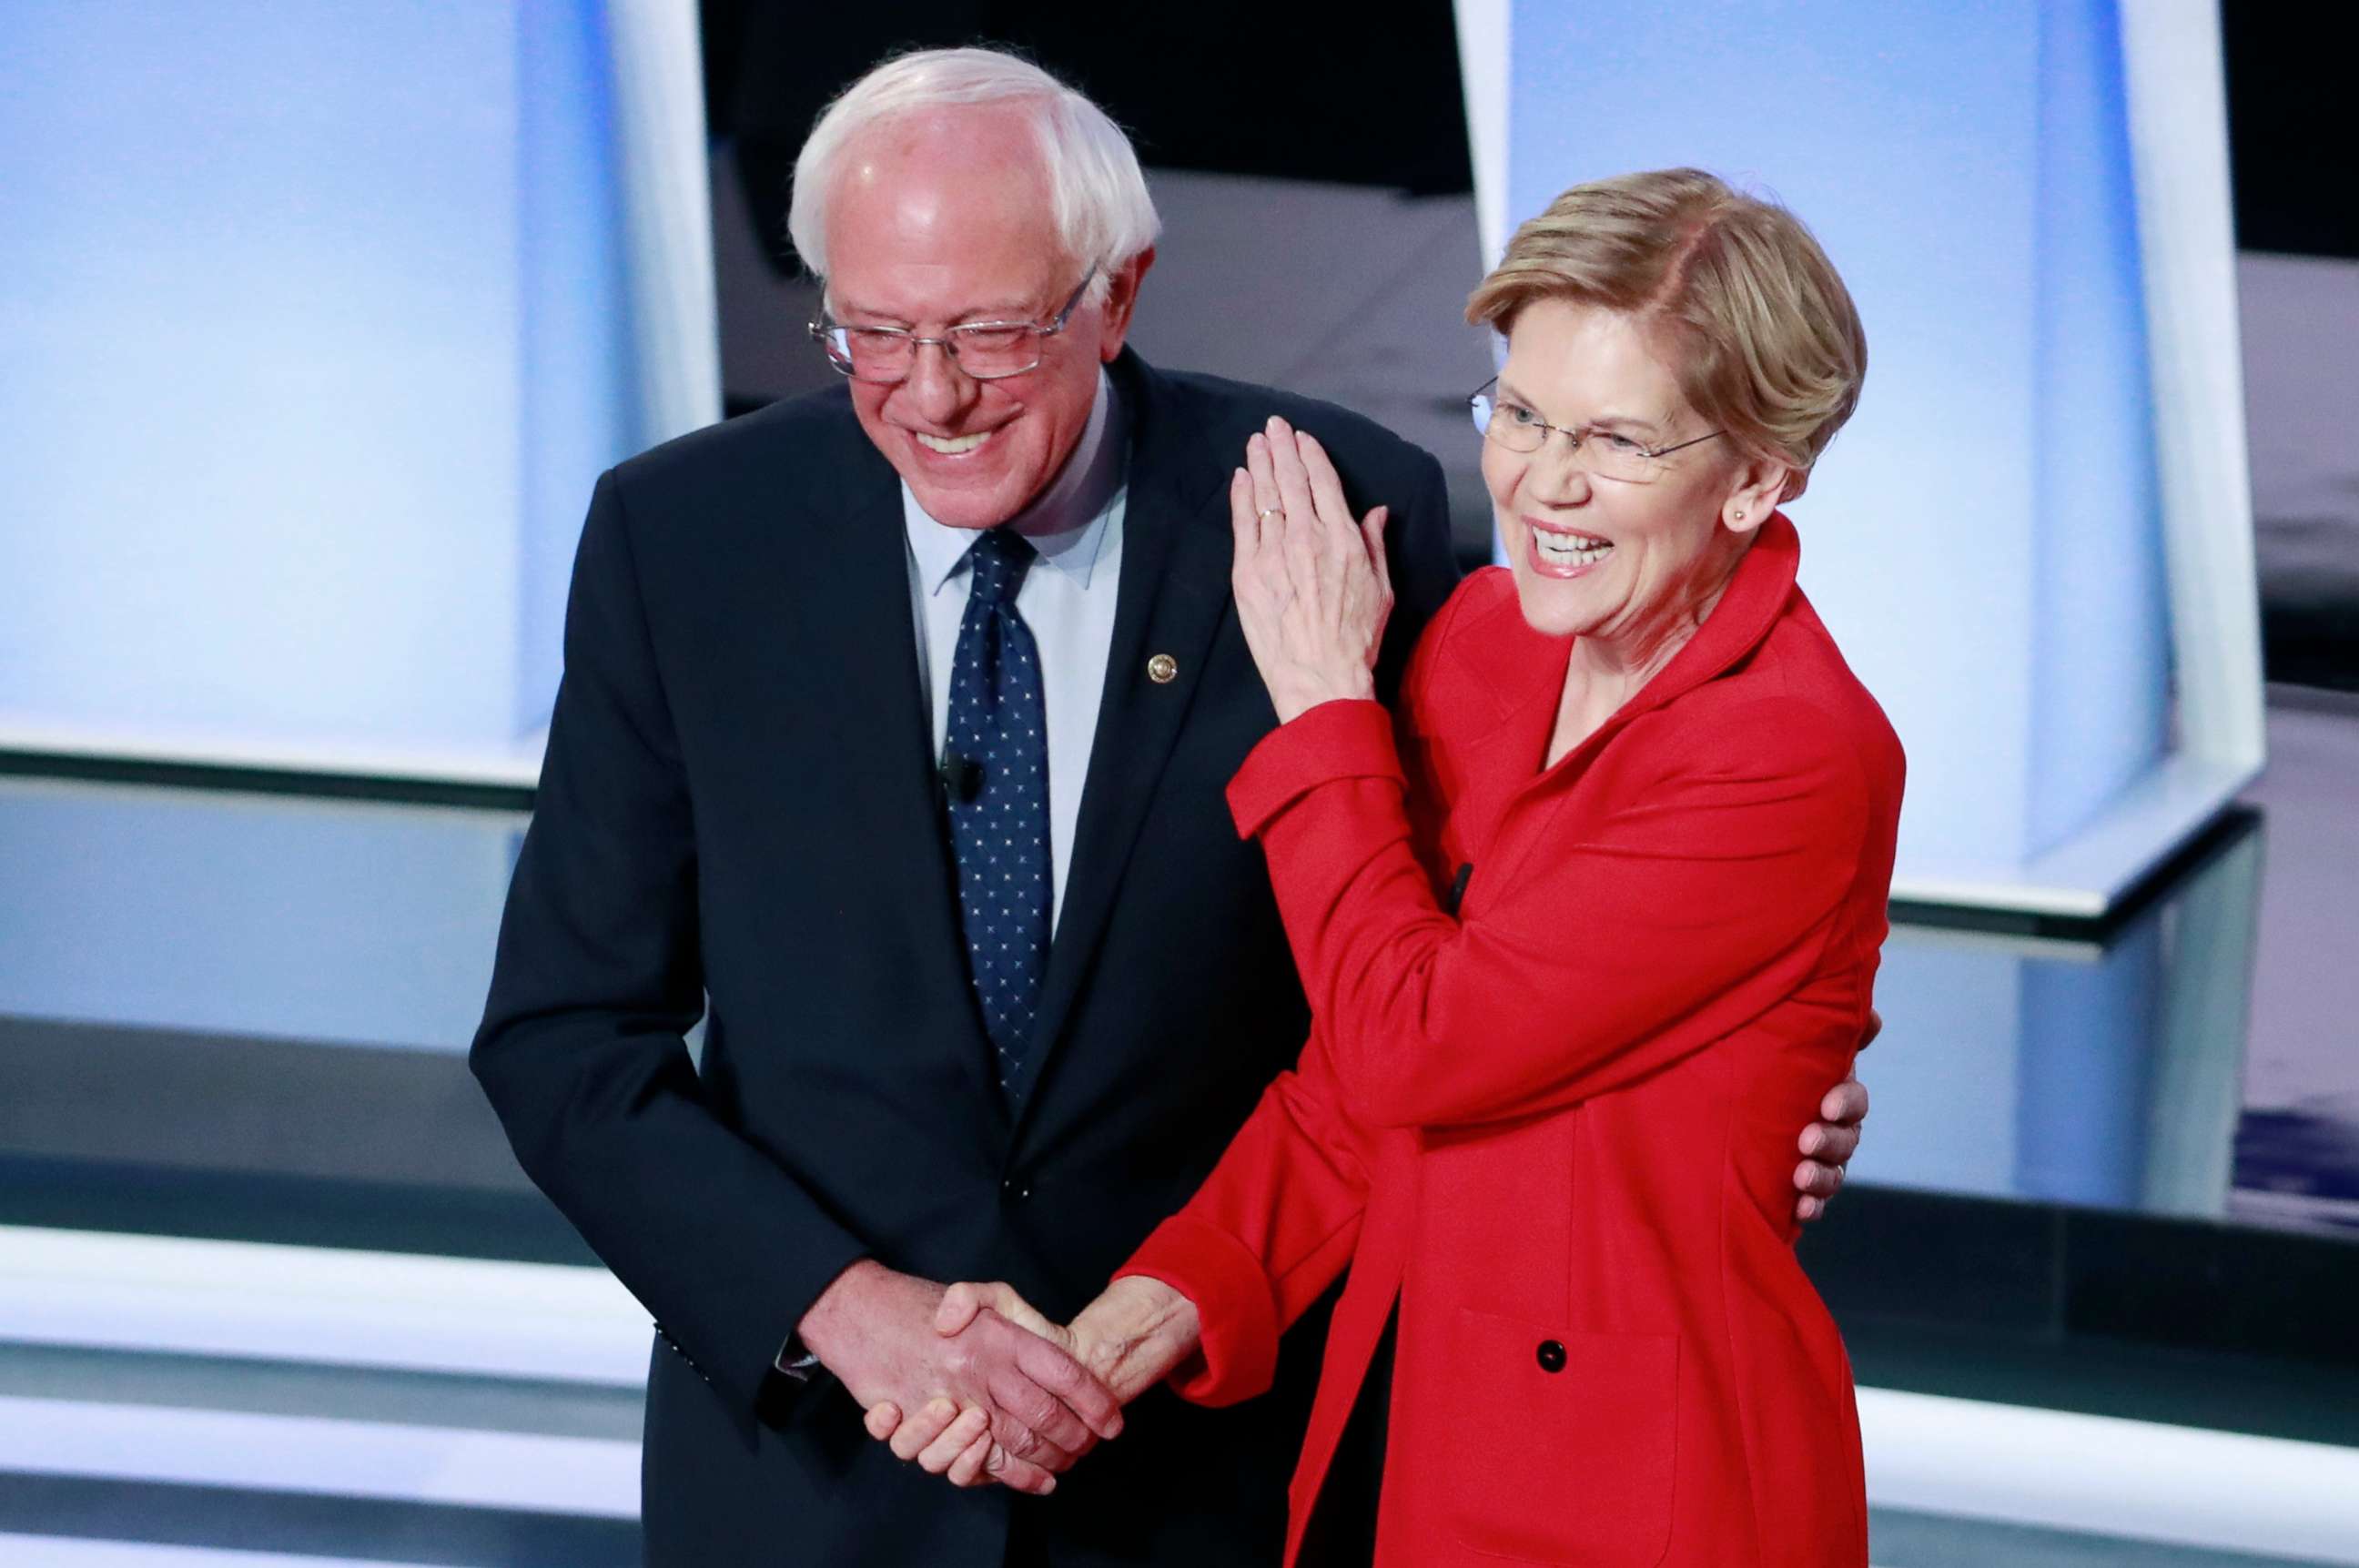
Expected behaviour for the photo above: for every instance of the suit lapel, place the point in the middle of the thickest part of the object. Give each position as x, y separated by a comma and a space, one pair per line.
1173, 596
882, 741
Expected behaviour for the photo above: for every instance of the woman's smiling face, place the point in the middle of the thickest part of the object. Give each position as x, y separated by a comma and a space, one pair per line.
1597, 556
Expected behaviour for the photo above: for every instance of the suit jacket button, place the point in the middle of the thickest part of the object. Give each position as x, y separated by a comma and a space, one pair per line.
1551, 1355
1015, 1192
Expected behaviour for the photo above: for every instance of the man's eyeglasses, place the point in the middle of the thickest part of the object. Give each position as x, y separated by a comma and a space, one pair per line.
983, 350
1609, 455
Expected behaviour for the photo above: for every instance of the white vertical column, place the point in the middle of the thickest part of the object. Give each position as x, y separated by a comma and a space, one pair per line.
667, 213
2178, 154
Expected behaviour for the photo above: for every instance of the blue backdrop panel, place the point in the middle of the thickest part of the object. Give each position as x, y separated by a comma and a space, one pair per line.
315, 920
1983, 538
313, 341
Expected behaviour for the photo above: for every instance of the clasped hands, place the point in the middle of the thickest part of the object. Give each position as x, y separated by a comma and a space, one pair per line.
1001, 1393
975, 1384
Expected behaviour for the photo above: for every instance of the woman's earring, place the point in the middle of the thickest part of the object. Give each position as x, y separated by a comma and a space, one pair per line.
1740, 516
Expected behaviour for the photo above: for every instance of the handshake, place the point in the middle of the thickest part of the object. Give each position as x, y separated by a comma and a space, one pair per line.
976, 1386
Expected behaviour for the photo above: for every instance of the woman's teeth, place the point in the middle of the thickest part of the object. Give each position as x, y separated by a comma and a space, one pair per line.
1570, 550
950, 446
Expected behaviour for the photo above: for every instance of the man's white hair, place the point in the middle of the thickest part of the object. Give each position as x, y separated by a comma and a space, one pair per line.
1102, 211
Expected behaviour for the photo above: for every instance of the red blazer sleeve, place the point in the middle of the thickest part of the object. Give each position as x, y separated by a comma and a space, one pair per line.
1277, 1220
1271, 1228
1610, 949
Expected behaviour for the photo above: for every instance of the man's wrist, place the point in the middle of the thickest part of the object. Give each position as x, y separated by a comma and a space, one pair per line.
831, 1317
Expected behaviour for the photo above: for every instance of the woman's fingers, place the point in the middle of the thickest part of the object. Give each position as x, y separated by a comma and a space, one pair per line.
967, 1469
1306, 538
956, 1443
1326, 486
1269, 507
1311, 603
1340, 544
1372, 533
913, 1436
1272, 561
1019, 1474
965, 1302
939, 1456
958, 1308
1293, 478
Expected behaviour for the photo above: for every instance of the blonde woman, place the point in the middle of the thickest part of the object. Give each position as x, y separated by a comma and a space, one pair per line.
1586, 930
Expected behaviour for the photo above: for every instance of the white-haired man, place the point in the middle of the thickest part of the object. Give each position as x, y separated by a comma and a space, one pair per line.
892, 741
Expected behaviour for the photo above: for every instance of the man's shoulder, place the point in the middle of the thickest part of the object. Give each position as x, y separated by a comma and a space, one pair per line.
777, 451
1236, 410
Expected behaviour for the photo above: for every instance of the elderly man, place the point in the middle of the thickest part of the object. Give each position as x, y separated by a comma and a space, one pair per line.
891, 743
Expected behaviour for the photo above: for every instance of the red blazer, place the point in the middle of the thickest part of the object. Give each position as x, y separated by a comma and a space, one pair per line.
1559, 1126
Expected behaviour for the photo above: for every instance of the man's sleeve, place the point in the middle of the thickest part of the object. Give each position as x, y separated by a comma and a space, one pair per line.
1424, 570
598, 974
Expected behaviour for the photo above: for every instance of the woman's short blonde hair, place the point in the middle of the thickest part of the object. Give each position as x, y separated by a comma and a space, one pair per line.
1733, 291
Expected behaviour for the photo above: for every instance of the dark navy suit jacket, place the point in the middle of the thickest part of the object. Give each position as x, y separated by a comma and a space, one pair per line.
738, 819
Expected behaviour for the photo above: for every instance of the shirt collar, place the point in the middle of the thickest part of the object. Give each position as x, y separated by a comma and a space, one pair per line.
1066, 522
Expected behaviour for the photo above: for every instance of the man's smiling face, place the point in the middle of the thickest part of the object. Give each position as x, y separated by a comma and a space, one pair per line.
938, 221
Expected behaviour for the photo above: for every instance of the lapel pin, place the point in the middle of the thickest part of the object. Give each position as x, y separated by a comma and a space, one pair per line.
1162, 669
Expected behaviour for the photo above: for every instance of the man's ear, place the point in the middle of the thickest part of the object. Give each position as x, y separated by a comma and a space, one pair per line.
1121, 301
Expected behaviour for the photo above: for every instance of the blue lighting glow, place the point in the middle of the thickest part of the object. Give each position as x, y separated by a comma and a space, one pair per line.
1984, 538
314, 340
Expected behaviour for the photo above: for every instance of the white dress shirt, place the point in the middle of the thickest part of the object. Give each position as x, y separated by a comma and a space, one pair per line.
1068, 599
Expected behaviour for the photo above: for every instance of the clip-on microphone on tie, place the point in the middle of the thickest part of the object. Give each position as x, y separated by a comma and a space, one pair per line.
960, 777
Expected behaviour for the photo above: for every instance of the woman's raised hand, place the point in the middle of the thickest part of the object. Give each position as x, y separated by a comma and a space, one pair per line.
1312, 585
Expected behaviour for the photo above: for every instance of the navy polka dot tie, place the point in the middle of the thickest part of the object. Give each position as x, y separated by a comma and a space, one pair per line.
999, 802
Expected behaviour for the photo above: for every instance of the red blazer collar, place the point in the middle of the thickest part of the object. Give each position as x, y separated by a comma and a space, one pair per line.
1740, 623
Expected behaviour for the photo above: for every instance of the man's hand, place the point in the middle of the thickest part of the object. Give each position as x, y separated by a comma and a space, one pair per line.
1035, 1404
1129, 1338
1828, 1144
